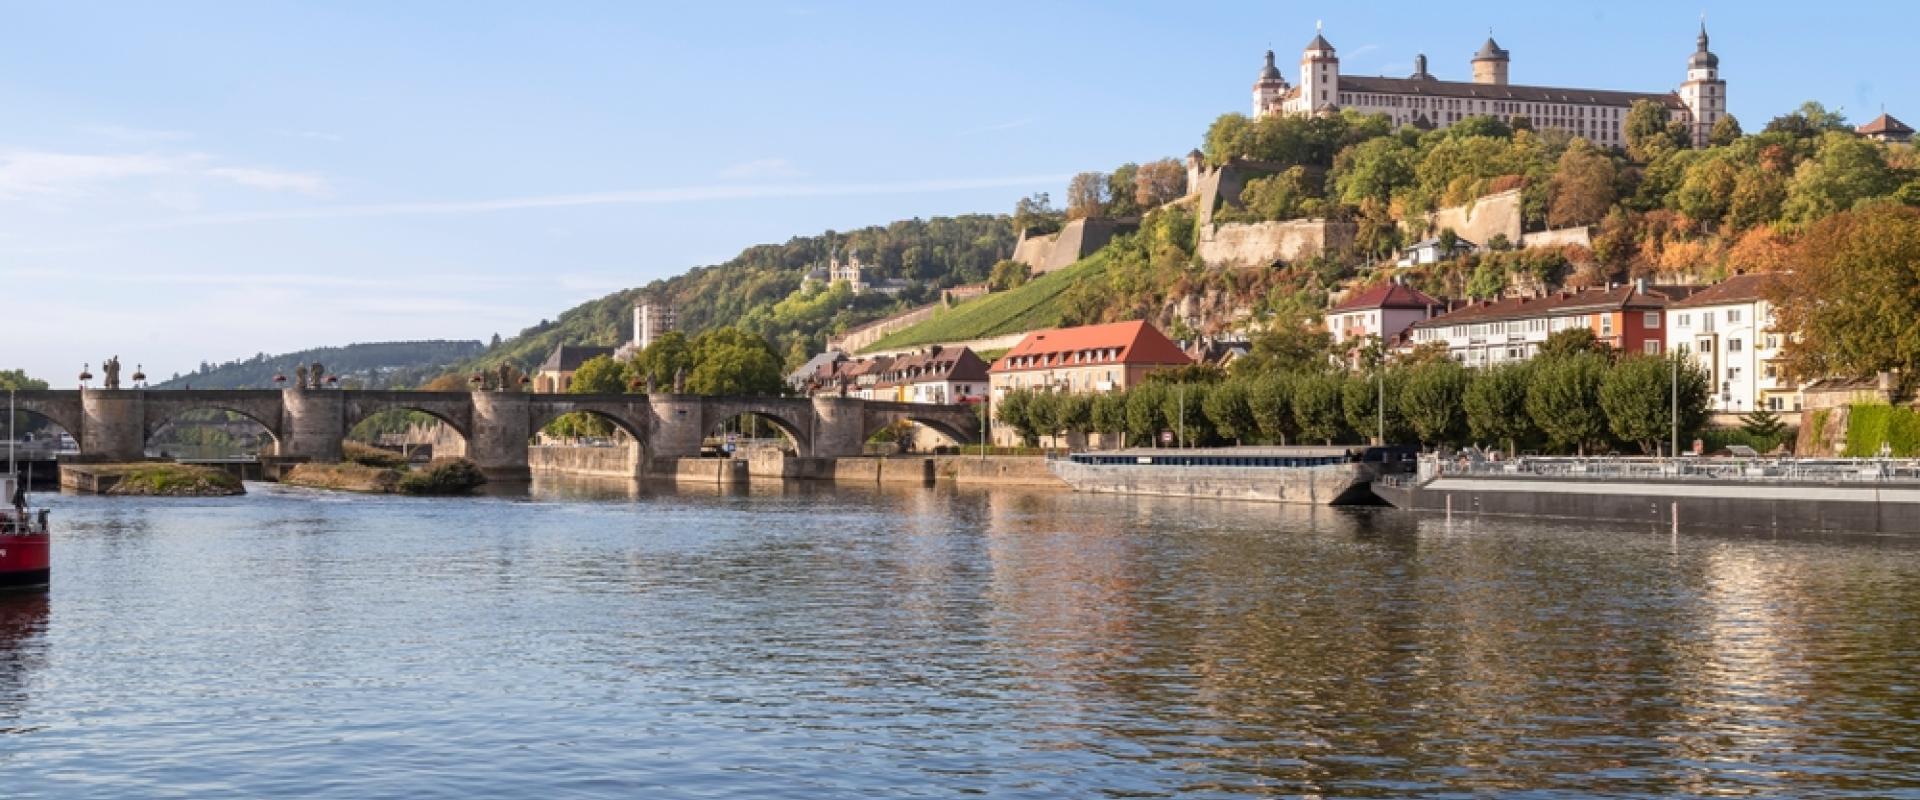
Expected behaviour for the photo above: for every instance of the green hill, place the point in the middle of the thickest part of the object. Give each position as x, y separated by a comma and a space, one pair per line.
761, 290
373, 365
1035, 304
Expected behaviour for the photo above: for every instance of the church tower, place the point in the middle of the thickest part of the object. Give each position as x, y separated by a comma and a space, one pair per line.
1268, 89
1704, 94
1319, 75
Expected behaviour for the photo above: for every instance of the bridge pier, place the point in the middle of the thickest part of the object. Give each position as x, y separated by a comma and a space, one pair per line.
839, 427
501, 427
115, 422
316, 421
678, 425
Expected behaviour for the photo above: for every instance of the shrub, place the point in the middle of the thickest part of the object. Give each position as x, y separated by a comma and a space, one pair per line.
450, 476
370, 456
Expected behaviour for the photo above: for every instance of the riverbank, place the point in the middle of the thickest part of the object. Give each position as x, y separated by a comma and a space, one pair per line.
149, 479
619, 462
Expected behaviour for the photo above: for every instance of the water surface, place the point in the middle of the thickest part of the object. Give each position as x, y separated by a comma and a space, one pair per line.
608, 641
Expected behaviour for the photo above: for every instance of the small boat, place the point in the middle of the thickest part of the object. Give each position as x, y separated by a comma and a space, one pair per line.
25, 559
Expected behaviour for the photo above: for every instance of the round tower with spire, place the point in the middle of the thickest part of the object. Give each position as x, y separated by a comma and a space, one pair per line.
1490, 64
1268, 89
1319, 74
1704, 94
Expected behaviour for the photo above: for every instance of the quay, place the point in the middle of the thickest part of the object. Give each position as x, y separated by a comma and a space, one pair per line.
1838, 495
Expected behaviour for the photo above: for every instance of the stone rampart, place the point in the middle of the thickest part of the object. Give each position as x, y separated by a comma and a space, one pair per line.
1257, 245
1481, 220
864, 335
1562, 237
1074, 241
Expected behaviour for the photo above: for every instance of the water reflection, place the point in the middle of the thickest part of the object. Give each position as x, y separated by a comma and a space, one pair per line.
609, 637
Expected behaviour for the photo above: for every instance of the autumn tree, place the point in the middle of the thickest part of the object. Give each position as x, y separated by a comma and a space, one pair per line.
1157, 183
1582, 188
1650, 132
1854, 295
1086, 195
1725, 132
1810, 120
1035, 214
1845, 170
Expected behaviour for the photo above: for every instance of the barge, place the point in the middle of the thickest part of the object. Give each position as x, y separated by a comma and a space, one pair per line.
1880, 496
1308, 475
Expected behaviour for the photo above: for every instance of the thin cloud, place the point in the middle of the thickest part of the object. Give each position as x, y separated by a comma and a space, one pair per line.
35, 172
685, 194
1362, 50
762, 169
122, 133
273, 180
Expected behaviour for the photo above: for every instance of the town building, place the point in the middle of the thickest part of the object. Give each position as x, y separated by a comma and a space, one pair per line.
1092, 358
814, 375
651, 319
935, 375
1726, 329
1383, 311
1432, 251
1886, 130
555, 374
1424, 101
1629, 318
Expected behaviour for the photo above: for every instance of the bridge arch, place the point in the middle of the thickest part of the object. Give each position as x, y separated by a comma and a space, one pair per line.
792, 418
61, 409
161, 416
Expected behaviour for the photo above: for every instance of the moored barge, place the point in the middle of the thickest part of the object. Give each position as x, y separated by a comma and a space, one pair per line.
1309, 475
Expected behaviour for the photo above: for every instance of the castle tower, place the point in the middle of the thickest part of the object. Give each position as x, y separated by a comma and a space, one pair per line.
651, 318
1268, 88
1319, 75
1704, 94
1490, 64
1420, 68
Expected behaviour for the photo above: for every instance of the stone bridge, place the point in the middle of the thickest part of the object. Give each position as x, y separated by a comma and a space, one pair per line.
115, 424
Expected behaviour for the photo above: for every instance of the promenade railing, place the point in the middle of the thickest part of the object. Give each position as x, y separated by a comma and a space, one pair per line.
1614, 468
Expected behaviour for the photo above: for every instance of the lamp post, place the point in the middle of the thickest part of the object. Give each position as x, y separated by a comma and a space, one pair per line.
1380, 377
1673, 412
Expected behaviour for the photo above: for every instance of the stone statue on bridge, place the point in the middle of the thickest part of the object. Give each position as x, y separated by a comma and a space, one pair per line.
111, 369
315, 374
505, 371
680, 380
300, 376
649, 383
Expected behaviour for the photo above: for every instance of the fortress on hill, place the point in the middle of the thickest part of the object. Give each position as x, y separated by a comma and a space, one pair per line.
1424, 101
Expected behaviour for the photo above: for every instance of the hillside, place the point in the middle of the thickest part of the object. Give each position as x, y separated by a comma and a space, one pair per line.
761, 289
1035, 304
373, 365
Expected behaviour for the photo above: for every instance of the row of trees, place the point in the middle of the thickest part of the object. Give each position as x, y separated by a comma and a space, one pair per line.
1573, 398
719, 362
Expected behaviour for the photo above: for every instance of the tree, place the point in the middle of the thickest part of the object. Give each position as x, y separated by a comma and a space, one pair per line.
1122, 194
1650, 133
1854, 297
1706, 193
1763, 423
1844, 170
1144, 418
1073, 413
1008, 274
1290, 194
1086, 195
1035, 215
668, 355
1271, 402
1495, 403
16, 380
1637, 395
1375, 169
1043, 414
1109, 414
1809, 120
1725, 132
1563, 399
1157, 183
1582, 188
1360, 402
731, 361
1184, 409
1288, 345
1431, 400
1571, 341
1229, 407
1012, 411
1316, 407
599, 375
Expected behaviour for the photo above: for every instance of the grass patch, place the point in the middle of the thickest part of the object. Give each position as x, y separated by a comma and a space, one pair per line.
168, 480
367, 455
1033, 305
345, 477
452, 476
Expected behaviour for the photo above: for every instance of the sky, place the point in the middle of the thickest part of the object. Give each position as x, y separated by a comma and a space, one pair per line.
192, 181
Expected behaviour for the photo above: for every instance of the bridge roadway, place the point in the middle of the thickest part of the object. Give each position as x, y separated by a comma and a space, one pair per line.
115, 424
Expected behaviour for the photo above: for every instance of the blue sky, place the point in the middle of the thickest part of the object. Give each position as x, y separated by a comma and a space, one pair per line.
188, 181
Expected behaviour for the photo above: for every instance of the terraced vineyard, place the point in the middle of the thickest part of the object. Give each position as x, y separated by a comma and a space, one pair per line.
1031, 306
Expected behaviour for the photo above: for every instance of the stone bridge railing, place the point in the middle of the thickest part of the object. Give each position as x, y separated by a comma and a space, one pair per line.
115, 424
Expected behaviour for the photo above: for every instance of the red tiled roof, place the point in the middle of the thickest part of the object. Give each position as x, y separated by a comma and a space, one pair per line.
1586, 300
1884, 124
1130, 343
1385, 295
1737, 289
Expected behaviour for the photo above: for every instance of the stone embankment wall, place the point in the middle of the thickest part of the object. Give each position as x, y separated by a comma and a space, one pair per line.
1257, 245
602, 462
1480, 220
853, 340
996, 471
599, 462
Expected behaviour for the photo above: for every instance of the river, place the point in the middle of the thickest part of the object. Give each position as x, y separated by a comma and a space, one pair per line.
592, 640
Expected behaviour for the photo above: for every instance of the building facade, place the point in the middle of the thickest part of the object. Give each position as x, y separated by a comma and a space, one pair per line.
555, 374
1726, 330
935, 375
1383, 311
1629, 318
1425, 101
1091, 358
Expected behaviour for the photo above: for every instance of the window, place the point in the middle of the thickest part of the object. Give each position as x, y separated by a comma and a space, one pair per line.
1652, 320
1733, 315
1733, 345
1652, 347
1733, 373
1706, 345
1685, 321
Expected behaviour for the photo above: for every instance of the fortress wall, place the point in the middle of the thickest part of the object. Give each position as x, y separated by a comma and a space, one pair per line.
1256, 245
1482, 219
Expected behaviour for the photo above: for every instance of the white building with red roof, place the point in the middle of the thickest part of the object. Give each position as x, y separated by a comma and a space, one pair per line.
1383, 310
1091, 358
